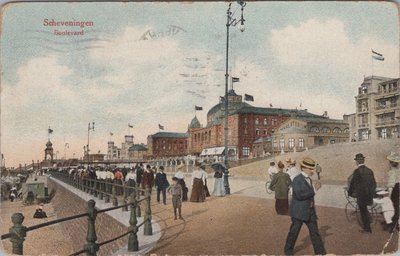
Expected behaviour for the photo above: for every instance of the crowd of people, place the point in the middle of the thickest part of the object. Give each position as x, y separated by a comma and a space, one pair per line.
295, 191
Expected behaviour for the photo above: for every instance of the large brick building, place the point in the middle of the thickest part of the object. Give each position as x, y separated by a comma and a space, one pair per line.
246, 126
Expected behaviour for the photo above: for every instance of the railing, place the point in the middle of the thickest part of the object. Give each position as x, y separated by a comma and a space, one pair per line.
387, 122
389, 106
381, 91
364, 125
18, 232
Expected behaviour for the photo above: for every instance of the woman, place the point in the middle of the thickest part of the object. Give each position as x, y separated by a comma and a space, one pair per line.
198, 193
181, 181
219, 189
280, 184
393, 184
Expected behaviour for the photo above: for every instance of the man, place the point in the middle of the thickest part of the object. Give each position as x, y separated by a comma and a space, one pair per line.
162, 184
302, 208
362, 187
148, 178
139, 173
292, 169
318, 169
393, 185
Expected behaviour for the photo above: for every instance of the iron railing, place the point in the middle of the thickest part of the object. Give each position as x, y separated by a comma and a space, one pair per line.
100, 189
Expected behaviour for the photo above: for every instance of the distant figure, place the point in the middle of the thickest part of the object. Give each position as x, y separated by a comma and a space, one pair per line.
162, 184
318, 170
302, 209
198, 177
219, 189
130, 180
393, 184
139, 174
148, 178
292, 169
176, 191
387, 208
272, 170
280, 184
181, 181
39, 213
363, 186
13, 193
118, 177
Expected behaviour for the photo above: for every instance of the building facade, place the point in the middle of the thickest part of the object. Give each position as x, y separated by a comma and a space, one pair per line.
113, 152
378, 108
125, 147
167, 144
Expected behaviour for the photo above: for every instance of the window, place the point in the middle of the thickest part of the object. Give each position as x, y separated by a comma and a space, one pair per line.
332, 141
314, 129
257, 121
346, 130
245, 131
273, 121
275, 144
326, 130
265, 132
257, 132
265, 121
337, 130
291, 143
282, 143
246, 151
245, 120
301, 143
384, 133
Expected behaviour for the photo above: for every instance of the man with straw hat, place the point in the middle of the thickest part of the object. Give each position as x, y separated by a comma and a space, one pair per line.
393, 184
302, 208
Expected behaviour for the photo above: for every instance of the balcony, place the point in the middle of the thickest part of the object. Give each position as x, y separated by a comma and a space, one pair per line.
386, 108
390, 122
364, 125
388, 92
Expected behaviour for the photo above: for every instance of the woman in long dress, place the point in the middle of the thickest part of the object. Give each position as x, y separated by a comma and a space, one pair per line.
181, 180
198, 193
280, 184
219, 189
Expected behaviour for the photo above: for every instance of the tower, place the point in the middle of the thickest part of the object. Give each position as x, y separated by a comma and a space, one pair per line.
48, 152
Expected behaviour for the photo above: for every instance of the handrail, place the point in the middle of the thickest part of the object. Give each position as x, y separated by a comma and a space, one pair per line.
18, 232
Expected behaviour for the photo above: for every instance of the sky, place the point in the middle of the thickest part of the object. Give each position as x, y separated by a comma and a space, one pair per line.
313, 54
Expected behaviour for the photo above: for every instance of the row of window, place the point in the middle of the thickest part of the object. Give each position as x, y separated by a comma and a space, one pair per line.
291, 143
336, 130
257, 121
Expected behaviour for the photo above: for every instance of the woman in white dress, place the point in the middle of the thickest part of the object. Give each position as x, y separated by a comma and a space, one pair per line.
219, 189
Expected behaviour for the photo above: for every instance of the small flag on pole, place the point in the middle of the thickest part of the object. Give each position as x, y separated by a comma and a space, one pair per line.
270, 105
235, 79
221, 98
377, 56
130, 126
248, 97
197, 108
161, 127
111, 134
50, 131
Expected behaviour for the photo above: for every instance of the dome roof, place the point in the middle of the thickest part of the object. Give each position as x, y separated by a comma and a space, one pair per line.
195, 123
216, 114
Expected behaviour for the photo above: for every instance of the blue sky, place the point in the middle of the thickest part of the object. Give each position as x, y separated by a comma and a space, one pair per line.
309, 53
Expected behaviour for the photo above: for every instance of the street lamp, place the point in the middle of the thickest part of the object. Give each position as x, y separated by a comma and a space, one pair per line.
230, 21
90, 128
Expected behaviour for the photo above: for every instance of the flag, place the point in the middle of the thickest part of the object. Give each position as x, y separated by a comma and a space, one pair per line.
221, 98
111, 134
50, 131
248, 97
130, 126
270, 105
161, 127
67, 145
377, 56
198, 108
235, 79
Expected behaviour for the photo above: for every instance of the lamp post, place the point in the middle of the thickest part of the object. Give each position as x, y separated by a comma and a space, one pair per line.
90, 128
230, 21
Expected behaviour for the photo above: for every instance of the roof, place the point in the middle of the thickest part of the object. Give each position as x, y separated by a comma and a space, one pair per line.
293, 129
263, 139
195, 123
275, 111
137, 147
176, 135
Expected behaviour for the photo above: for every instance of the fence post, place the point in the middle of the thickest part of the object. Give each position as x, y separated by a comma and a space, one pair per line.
101, 186
133, 243
95, 187
91, 247
18, 233
138, 192
148, 230
114, 198
125, 198
107, 191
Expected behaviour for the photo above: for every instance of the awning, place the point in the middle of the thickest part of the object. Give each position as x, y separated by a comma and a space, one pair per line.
212, 151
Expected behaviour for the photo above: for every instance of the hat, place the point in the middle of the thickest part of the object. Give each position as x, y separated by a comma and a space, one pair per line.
179, 175
393, 157
308, 163
180, 167
382, 192
359, 156
161, 167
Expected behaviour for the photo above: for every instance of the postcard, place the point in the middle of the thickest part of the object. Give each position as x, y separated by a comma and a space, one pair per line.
200, 128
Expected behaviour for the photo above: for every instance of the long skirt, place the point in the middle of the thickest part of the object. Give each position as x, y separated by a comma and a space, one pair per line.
197, 191
282, 206
219, 189
395, 199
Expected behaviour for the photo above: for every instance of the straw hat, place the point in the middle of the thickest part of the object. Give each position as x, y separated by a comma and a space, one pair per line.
308, 163
382, 193
393, 157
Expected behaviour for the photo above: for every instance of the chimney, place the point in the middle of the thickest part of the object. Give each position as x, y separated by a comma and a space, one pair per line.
325, 114
305, 110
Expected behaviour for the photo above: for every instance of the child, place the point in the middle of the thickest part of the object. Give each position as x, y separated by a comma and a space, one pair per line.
176, 191
387, 209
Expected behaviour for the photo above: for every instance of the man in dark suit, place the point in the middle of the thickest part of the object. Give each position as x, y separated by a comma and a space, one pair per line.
302, 208
162, 184
362, 186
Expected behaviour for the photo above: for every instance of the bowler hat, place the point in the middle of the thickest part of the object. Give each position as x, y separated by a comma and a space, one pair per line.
359, 156
393, 157
308, 163
161, 167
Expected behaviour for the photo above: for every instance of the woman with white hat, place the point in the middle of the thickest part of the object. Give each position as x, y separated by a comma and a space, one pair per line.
393, 184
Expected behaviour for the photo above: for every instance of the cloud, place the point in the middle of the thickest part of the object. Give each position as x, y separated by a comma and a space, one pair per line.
326, 46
